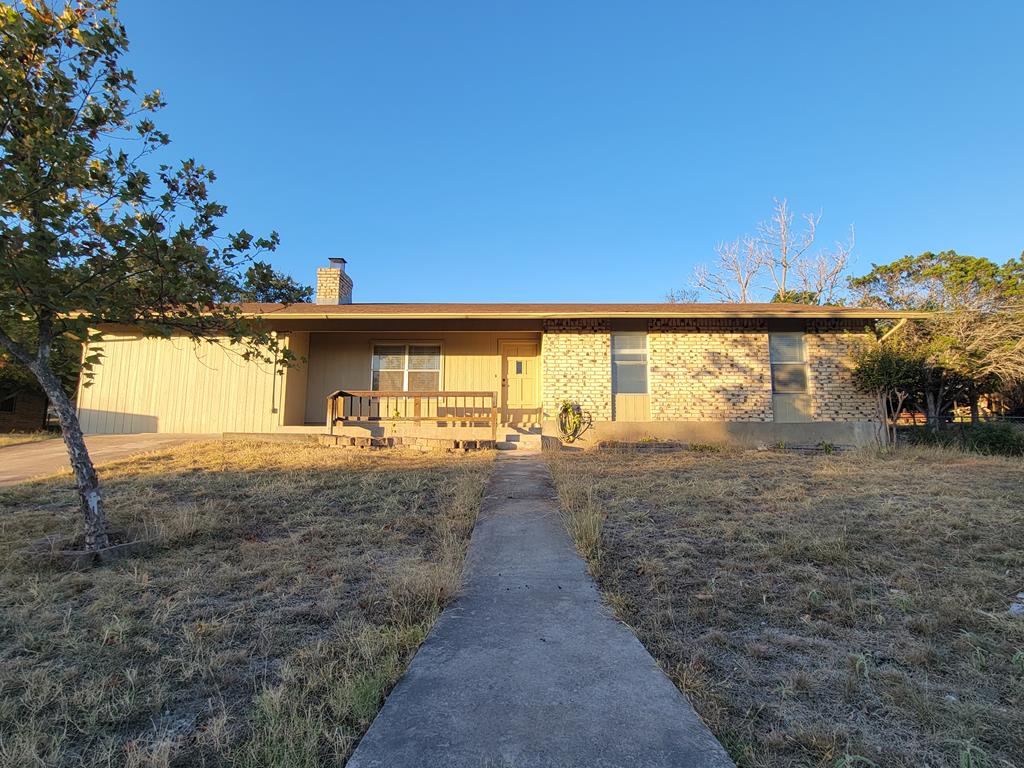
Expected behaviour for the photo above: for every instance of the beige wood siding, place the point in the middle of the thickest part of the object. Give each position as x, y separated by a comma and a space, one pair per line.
177, 385
632, 407
341, 360
296, 377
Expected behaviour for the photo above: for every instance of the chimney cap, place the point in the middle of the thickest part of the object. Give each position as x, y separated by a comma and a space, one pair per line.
337, 261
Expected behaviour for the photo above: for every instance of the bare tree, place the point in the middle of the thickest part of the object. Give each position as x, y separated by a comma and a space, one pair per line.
782, 248
779, 260
733, 279
821, 276
683, 296
985, 347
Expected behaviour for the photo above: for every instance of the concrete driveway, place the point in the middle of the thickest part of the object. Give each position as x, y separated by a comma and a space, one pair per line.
19, 463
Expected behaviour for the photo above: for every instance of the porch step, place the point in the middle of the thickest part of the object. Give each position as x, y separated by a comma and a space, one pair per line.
519, 441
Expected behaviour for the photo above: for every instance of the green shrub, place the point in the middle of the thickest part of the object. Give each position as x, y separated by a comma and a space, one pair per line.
919, 435
993, 438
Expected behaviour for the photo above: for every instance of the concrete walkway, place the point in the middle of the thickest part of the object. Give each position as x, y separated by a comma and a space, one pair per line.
527, 669
25, 461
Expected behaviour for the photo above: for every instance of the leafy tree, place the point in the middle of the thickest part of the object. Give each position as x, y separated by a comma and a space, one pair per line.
940, 281
89, 233
797, 297
65, 359
892, 373
263, 284
974, 342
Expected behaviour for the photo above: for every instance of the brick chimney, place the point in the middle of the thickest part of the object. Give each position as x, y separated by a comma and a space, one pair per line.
333, 286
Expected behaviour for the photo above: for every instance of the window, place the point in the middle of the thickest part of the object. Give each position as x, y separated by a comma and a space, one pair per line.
406, 368
789, 368
629, 363
790, 400
7, 404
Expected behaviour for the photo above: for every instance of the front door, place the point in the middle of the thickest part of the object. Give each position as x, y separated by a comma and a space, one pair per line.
520, 383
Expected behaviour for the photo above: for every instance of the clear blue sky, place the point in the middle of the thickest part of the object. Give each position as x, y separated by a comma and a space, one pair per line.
523, 151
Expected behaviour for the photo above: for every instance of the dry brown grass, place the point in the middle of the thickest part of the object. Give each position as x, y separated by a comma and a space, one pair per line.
17, 438
290, 587
825, 610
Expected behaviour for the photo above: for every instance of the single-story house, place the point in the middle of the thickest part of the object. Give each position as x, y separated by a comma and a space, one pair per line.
748, 373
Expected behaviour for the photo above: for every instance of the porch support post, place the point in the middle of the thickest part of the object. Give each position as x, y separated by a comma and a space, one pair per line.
494, 417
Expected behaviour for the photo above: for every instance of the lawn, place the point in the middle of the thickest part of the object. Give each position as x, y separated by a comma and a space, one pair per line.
289, 587
17, 438
839, 611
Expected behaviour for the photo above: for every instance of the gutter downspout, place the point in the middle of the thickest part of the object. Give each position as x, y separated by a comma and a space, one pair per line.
891, 331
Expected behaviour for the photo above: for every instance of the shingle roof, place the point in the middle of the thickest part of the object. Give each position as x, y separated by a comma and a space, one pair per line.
543, 311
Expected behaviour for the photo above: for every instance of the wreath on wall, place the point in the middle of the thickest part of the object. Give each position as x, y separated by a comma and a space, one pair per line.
573, 421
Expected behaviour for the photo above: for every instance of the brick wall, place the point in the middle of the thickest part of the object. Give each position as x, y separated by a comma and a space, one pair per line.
709, 370
333, 286
830, 348
29, 413
576, 364
702, 370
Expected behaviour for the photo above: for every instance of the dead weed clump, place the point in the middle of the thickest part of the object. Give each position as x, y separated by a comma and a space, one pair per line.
287, 589
828, 610
583, 517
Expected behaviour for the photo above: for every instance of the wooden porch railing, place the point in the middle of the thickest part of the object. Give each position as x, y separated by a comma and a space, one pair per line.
449, 408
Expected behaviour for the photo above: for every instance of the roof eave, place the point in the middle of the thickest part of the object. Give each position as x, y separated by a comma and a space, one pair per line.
848, 314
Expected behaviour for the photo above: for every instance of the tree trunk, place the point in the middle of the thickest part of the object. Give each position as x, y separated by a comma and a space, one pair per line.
91, 501
895, 411
975, 415
932, 411
882, 410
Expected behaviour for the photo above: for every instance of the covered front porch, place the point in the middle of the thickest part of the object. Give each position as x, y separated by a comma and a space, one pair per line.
467, 385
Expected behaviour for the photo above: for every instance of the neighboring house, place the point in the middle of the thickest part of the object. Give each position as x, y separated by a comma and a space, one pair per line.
22, 411
750, 373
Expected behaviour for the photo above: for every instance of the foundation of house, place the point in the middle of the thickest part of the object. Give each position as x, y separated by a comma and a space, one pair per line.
750, 434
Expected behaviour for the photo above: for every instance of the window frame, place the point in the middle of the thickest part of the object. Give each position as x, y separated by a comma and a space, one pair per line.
13, 399
408, 344
646, 362
790, 407
802, 362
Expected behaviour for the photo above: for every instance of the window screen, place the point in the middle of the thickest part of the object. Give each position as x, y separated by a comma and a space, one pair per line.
406, 368
7, 404
789, 366
629, 363
790, 401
